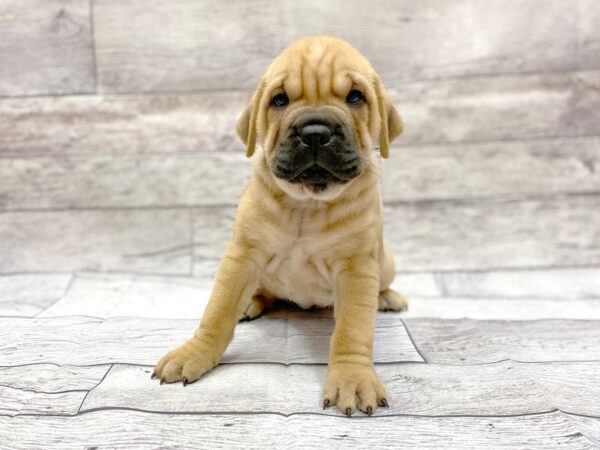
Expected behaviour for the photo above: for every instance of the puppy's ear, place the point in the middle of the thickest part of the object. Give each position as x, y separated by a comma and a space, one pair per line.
246, 125
391, 123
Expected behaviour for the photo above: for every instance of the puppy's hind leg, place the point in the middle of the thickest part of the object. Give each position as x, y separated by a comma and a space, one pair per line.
259, 305
390, 300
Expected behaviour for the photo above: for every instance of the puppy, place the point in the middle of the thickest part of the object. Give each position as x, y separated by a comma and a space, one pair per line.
308, 227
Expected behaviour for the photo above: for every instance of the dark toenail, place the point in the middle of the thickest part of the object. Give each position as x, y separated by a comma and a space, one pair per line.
185, 382
326, 403
384, 402
348, 412
153, 376
369, 410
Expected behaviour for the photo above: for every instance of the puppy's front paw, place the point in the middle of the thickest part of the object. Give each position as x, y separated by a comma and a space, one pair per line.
351, 386
186, 363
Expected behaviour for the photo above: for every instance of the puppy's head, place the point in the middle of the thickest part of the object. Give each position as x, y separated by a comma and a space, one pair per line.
318, 112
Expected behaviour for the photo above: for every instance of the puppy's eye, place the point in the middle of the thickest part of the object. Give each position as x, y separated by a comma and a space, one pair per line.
280, 100
355, 97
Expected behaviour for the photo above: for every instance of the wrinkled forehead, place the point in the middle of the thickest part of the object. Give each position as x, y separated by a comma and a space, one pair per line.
314, 70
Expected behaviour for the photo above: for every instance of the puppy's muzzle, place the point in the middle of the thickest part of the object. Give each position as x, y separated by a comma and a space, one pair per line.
317, 151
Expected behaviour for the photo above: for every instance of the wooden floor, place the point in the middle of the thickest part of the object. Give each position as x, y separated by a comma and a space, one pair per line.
77, 353
119, 175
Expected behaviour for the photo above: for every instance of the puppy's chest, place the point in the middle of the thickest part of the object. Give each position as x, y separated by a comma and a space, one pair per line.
300, 267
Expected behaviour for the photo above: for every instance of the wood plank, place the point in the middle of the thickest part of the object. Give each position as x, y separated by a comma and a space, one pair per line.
463, 171
587, 25
473, 109
287, 338
114, 429
499, 108
589, 427
28, 294
127, 295
412, 173
466, 341
127, 240
121, 124
461, 235
130, 181
507, 388
425, 236
577, 283
46, 389
565, 385
502, 308
494, 234
16, 401
45, 47
200, 47
52, 378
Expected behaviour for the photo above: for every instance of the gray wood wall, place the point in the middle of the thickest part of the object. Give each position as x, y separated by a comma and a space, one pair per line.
118, 152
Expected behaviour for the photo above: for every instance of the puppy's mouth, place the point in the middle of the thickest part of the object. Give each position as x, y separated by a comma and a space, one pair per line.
316, 178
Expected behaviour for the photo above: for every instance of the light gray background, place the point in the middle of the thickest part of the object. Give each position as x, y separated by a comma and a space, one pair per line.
119, 175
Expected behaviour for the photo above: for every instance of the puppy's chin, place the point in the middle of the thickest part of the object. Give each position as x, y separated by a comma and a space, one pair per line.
300, 191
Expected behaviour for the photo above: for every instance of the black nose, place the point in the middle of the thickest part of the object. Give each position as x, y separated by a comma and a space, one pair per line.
315, 135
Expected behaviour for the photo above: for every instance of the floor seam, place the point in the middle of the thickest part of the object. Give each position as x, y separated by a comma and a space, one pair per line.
308, 364
88, 392
300, 413
413, 341
63, 295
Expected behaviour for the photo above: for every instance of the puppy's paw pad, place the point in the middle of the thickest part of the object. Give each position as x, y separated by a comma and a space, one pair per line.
390, 300
182, 364
353, 387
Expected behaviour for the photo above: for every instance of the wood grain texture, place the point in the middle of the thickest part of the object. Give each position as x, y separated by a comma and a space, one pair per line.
566, 384
45, 47
589, 426
127, 295
502, 308
473, 109
46, 389
588, 13
27, 295
412, 173
112, 181
561, 231
499, 108
288, 338
463, 171
16, 401
114, 429
424, 236
129, 240
573, 284
467, 341
465, 235
197, 45
126, 124
506, 388
51, 378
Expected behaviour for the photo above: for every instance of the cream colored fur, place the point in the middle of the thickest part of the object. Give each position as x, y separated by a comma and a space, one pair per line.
315, 249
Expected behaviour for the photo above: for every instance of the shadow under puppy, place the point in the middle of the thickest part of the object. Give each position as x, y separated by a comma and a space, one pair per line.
308, 227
